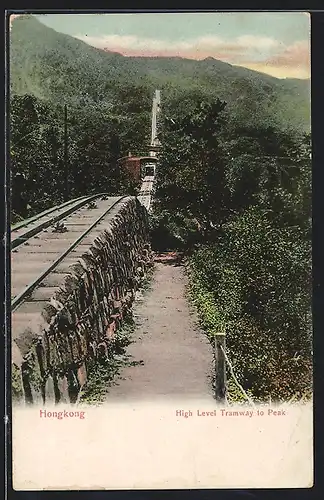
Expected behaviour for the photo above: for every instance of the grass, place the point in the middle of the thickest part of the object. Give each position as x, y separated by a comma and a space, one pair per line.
104, 371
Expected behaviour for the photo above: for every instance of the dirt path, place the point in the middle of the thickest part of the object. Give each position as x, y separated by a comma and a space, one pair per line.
176, 357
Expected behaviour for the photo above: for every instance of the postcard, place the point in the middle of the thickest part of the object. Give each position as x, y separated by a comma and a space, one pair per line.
161, 318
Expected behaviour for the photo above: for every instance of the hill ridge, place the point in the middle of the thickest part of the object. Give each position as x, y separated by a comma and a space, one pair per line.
50, 64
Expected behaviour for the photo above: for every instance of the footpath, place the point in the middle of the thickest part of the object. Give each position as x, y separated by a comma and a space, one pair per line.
172, 357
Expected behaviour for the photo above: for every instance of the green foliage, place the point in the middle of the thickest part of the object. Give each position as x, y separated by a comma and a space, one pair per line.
171, 231
101, 373
104, 371
109, 103
106, 118
268, 167
49, 64
191, 175
234, 181
95, 141
256, 281
210, 319
16, 383
247, 193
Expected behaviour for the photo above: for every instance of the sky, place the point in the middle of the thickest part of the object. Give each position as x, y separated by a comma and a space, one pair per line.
270, 42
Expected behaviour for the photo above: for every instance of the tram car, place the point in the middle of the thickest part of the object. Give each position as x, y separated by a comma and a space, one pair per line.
138, 167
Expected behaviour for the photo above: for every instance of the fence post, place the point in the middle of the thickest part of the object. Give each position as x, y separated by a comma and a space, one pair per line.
220, 366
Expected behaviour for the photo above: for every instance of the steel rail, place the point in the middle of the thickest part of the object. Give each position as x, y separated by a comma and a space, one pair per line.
79, 203
34, 218
33, 284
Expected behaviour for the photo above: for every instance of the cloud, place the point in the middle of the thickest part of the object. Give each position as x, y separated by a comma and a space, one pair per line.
251, 41
134, 45
261, 53
291, 62
293, 55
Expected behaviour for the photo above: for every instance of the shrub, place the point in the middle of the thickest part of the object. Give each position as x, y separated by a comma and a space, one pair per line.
256, 281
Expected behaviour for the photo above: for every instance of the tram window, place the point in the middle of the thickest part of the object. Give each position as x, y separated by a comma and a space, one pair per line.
150, 170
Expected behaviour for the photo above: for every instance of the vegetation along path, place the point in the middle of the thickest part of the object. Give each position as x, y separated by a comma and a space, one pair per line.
172, 358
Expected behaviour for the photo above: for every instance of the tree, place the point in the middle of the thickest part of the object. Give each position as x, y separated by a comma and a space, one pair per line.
191, 176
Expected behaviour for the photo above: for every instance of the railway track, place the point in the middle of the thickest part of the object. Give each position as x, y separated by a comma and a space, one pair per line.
43, 245
22, 231
146, 192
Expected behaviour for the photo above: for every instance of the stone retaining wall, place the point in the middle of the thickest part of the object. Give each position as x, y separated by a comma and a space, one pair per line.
79, 322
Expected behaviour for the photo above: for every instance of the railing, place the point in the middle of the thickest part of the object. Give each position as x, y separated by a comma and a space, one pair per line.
221, 359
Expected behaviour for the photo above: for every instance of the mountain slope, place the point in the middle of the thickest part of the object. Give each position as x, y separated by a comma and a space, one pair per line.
51, 65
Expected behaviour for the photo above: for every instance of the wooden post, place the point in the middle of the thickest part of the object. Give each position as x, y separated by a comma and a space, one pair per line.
220, 366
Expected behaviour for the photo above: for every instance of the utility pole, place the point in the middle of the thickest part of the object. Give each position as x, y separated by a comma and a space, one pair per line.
66, 169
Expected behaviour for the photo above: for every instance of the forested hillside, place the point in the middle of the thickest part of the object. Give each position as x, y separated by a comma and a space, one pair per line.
109, 97
104, 121
48, 65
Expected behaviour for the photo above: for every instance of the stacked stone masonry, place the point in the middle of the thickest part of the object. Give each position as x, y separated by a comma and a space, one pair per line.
79, 323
